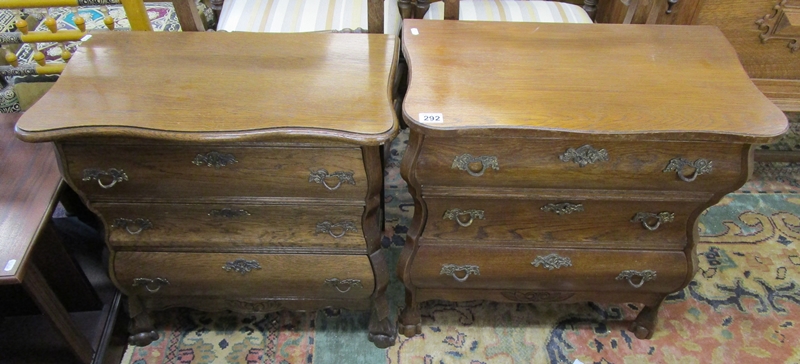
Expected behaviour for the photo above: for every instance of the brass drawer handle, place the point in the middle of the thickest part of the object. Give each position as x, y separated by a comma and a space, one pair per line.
151, 285
326, 227
645, 276
552, 261
701, 166
139, 223
584, 155
228, 213
117, 175
463, 161
564, 208
349, 283
241, 266
452, 269
214, 159
455, 214
646, 217
321, 175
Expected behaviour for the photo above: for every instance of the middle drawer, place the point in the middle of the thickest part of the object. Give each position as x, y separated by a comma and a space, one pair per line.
578, 223
212, 225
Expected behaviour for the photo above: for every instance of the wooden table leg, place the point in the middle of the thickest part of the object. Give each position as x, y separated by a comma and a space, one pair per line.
52, 308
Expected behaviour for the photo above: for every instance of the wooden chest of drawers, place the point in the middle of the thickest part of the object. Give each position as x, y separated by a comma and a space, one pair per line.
547, 178
257, 189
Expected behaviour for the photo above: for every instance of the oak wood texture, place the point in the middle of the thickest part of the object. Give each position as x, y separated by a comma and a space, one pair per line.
690, 76
163, 171
520, 116
242, 160
248, 86
614, 11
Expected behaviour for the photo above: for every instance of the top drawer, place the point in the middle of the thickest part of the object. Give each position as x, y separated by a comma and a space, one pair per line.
554, 163
192, 171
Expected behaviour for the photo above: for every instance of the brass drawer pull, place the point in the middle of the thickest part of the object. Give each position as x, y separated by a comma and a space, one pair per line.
349, 283
455, 214
228, 213
321, 175
584, 155
462, 162
552, 261
452, 270
241, 266
329, 228
645, 276
141, 225
660, 218
564, 208
117, 175
701, 166
151, 285
214, 159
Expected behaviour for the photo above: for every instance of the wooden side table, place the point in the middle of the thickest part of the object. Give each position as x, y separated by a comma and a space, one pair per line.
569, 162
29, 188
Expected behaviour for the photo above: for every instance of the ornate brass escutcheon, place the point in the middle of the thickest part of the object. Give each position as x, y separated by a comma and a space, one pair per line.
647, 217
584, 155
453, 270
241, 266
456, 214
139, 223
645, 276
151, 285
321, 175
214, 159
552, 261
116, 175
701, 166
348, 283
465, 161
228, 213
564, 208
336, 230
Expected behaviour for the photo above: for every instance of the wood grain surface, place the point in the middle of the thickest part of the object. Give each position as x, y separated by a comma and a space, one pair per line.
247, 85
681, 82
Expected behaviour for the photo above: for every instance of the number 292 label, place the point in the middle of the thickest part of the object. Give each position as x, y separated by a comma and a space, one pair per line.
431, 118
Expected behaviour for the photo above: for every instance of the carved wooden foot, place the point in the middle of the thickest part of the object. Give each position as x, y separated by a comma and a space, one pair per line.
410, 321
645, 323
142, 331
382, 332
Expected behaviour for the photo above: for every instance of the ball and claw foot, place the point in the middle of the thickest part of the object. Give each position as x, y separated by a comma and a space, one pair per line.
143, 338
384, 335
645, 323
410, 322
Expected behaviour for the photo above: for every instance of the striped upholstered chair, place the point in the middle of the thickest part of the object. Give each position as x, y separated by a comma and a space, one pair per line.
505, 10
285, 16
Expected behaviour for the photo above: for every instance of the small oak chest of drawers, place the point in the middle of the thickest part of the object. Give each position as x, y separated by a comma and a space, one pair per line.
563, 162
245, 176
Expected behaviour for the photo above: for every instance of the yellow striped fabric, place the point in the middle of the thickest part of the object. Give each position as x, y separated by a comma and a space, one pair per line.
524, 11
288, 16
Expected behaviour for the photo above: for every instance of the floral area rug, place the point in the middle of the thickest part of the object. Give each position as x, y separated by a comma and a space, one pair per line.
742, 307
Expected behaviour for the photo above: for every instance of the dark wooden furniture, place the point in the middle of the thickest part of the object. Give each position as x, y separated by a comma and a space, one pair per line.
526, 191
29, 189
247, 177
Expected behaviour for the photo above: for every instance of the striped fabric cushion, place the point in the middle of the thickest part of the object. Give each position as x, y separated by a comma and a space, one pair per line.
502, 10
287, 16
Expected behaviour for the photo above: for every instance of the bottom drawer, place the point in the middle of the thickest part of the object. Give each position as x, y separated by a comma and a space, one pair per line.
548, 269
244, 275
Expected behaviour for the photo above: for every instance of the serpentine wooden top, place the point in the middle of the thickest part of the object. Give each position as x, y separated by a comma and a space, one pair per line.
621, 81
222, 86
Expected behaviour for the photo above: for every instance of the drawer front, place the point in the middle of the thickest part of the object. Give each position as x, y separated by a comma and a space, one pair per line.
244, 275
552, 163
231, 225
124, 171
584, 223
548, 269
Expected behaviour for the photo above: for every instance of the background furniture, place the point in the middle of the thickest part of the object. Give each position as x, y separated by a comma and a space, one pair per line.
519, 10
254, 188
525, 193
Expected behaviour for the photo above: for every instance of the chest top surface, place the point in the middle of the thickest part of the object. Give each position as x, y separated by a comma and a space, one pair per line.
679, 82
217, 86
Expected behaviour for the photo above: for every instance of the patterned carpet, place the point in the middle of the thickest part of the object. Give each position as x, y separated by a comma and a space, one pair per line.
742, 307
